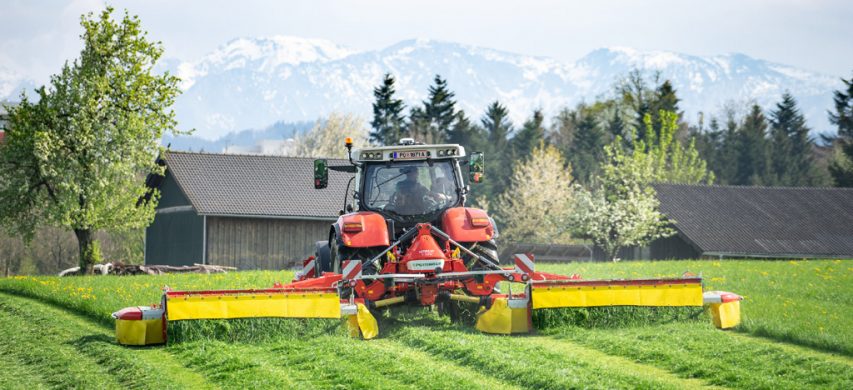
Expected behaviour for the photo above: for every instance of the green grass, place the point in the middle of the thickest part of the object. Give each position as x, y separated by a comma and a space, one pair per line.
804, 302
796, 334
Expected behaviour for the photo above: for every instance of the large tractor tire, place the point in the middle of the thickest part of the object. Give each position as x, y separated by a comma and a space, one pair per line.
486, 249
322, 256
339, 252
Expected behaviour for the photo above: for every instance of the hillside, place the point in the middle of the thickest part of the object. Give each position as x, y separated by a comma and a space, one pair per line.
251, 83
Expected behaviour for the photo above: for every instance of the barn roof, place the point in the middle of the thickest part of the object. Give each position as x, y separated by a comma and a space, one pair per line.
256, 185
761, 221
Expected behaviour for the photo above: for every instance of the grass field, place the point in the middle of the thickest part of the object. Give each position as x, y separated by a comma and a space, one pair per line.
796, 334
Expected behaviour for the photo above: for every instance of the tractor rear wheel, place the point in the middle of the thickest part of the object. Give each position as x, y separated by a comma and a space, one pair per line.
339, 252
487, 249
322, 258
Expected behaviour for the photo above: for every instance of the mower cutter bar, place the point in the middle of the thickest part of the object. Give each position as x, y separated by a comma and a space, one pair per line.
228, 304
636, 292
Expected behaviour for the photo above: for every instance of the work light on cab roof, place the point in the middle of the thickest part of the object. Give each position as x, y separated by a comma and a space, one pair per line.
406, 236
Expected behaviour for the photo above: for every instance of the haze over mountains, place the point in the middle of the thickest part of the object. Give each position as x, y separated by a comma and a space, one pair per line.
252, 83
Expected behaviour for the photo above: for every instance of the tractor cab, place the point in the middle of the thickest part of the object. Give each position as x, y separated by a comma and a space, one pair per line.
396, 189
409, 182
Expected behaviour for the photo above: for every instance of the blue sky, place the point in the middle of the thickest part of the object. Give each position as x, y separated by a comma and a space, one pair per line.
36, 37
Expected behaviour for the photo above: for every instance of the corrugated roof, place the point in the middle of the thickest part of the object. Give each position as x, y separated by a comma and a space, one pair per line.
762, 221
255, 185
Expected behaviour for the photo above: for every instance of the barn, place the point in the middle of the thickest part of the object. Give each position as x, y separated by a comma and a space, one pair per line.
247, 211
754, 222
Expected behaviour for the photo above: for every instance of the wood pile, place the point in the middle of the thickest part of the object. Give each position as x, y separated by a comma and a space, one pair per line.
132, 269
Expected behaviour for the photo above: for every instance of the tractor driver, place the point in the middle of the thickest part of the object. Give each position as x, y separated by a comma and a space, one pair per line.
408, 198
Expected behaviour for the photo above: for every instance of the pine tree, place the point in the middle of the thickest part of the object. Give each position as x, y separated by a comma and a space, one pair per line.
751, 157
531, 135
497, 126
616, 126
467, 134
792, 161
387, 122
841, 166
418, 125
563, 129
636, 94
440, 111
725, 164
587, 150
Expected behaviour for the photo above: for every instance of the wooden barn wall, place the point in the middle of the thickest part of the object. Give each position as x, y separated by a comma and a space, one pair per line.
171, 194
673, 247
174, 239
257, 243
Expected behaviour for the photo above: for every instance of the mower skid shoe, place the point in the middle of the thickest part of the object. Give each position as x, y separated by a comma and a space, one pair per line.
362, 324
505, 316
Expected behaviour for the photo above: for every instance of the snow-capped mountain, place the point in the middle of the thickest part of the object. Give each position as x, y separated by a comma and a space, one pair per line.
263, 55
251, 83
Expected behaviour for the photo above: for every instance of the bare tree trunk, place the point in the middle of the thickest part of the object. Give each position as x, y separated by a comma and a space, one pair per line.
613, 253
89, 252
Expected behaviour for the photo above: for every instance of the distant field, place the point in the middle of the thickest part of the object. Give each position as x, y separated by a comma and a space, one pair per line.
796, 333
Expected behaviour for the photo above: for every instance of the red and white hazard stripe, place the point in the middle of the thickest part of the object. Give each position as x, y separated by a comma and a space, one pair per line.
351, 269
308, 270
523, 263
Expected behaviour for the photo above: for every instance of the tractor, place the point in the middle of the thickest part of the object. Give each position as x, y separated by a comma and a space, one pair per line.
407, 238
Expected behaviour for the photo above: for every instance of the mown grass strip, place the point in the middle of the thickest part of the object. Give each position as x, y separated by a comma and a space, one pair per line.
797, 349
15, 375
327, 361
717, 357
56, 342
612, 363
234, 366
39, 344
516, 360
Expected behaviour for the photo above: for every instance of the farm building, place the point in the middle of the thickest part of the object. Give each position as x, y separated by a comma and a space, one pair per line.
247, 211
253, 211
768, 222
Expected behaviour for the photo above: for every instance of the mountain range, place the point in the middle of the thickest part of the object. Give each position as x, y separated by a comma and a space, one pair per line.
252, 83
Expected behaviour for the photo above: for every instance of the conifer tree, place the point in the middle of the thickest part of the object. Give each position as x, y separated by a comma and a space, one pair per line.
388, 123
751, 157
563, 129
439, 110
467, 134
532, 134
725, 165
616, 126
841, 166
636, 94
587, 150
497, 126
792, 161
418, 125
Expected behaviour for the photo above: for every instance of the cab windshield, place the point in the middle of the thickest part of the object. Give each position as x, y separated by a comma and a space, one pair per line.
410, 188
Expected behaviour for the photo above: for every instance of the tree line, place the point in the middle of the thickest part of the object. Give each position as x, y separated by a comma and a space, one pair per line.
596, 161
76, 159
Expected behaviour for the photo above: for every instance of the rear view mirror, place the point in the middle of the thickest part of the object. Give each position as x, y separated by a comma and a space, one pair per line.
321, 173
477, 165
